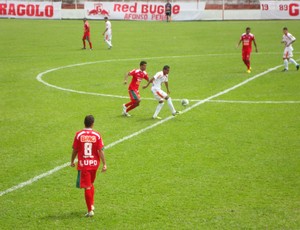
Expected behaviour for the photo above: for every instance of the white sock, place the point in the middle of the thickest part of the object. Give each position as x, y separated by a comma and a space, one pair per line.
293, 61
158, 108
108, 42
171, 106
286, 64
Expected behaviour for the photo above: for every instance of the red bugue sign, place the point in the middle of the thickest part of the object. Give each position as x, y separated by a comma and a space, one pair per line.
144, 10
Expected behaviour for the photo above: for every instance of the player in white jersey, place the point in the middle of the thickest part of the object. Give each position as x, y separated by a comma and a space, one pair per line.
107, 33
159, 78
288, 39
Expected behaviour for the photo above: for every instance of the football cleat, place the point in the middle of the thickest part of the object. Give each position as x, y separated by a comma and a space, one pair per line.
89, 214
176, 113
297, 67
248, 71
126, 114
284, 70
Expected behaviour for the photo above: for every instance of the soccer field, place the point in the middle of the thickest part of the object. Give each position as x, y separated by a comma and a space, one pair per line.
230, 161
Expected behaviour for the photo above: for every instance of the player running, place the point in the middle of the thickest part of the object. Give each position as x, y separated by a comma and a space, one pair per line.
137, 76
288, 39
86, 34
88, 147
247, 39
107, 33
159, 78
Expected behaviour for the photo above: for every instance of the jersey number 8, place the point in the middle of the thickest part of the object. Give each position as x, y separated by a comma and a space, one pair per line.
88, 150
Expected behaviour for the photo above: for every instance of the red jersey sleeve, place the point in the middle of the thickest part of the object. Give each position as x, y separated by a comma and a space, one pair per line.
131, 73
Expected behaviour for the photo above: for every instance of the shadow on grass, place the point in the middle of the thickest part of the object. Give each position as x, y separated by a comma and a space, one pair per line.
64, 216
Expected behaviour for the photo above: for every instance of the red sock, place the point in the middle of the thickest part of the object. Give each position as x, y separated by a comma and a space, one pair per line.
93, 192
90, 45
129, 104
131, 107
248, 64
83, 43
88, 198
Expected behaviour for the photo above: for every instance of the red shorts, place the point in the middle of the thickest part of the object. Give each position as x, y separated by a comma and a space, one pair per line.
246, 54
134, 95
85, 178
86, 36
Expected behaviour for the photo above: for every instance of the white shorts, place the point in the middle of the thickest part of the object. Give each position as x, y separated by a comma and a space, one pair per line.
288, 52
108, 36
159, 94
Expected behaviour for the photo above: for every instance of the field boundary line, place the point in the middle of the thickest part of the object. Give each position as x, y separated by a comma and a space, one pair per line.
48, 173
254, 102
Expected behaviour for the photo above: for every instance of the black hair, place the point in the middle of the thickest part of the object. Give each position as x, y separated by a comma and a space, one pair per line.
143, 63
105, 17
166, 67
285, 28
248, 28
89, 121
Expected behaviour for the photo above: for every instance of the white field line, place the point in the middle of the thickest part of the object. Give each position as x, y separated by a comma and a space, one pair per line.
48, 173
40, 75
255, 102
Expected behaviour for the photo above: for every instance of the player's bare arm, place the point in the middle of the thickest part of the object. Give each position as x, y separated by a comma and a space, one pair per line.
254, 42
104, 31
237, 46
126, 78
73, 157
150, 81
290, 43
102, 157
167, 87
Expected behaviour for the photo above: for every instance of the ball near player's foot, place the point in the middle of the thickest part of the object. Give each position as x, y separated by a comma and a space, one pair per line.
185, 102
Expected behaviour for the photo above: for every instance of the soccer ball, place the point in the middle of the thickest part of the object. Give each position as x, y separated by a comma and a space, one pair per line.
185, 102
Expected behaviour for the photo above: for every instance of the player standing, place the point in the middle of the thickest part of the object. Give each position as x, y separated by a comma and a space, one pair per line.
168, 10
288, 39
107, 33
88, 147
247, 39
159, 78
137, 76
86, 34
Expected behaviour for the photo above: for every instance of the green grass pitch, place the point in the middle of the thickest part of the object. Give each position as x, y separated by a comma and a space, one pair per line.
218, 166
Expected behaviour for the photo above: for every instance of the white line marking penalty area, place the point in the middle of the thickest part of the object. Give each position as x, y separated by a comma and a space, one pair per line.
48, 173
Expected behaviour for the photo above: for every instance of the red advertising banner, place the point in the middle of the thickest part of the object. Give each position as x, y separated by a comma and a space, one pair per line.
280, 9
147, 11
38, 10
